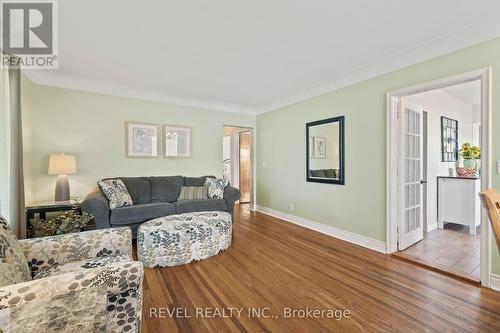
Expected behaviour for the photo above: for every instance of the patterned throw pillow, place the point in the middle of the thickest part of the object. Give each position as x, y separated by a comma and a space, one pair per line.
216, 187
13, 264
116, 192
193, 193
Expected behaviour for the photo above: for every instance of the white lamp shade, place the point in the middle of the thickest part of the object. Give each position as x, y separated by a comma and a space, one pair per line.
62, 164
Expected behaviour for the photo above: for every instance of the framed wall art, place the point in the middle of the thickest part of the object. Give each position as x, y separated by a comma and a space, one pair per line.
177, 141
449, 139
141, 140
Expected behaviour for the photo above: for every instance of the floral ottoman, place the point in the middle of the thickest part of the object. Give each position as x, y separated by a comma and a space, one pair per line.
179, 239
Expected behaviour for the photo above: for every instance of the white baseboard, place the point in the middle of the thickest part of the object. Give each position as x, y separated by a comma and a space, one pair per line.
347, 236
432, 227
495, 282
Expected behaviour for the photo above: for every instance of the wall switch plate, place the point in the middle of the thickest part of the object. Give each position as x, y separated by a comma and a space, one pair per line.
498, 166
263, 164
292, 207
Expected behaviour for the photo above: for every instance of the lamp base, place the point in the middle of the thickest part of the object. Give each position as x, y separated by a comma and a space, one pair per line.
62, 188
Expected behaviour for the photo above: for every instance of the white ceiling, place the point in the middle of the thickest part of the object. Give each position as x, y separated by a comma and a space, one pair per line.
469, 92
253, 56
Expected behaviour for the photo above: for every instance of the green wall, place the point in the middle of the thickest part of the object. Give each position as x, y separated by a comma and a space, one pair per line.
92, 127
359, 206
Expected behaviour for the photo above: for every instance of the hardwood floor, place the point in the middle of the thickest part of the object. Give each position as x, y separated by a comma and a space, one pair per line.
274, 265
451, 249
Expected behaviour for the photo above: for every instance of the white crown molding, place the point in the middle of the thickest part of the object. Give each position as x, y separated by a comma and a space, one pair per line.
456, 40
54, 79
347, 236
459, 39
495, 282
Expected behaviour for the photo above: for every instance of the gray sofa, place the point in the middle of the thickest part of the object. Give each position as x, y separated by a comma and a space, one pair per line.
324, 173
154, 197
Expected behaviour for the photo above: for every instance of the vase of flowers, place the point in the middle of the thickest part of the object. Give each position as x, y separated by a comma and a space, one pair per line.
471, 156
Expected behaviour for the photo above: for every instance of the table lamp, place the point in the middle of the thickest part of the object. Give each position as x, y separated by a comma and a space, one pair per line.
62, 165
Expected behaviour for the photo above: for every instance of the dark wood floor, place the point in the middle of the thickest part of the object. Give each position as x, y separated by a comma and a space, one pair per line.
274, 265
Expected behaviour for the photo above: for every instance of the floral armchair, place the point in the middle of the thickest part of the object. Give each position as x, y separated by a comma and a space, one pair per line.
67, 264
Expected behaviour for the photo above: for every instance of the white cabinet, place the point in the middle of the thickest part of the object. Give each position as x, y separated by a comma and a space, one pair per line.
459, 202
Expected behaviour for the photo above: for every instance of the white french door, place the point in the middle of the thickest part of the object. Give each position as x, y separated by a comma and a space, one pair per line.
410, 168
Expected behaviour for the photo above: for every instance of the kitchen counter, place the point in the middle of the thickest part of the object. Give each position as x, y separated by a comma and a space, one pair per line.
458, 177
458, 201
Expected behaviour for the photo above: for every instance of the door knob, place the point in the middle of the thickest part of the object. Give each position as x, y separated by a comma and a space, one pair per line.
423, 181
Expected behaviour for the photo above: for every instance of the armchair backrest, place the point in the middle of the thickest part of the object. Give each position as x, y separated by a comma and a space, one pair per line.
491, 201
13, 264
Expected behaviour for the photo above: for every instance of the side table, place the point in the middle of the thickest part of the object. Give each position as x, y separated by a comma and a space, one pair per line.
43, 207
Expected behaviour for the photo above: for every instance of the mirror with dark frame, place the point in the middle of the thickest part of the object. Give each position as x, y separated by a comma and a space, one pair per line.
325, 151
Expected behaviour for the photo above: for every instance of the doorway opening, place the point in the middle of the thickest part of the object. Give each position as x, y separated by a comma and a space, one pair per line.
237, 162
436, 130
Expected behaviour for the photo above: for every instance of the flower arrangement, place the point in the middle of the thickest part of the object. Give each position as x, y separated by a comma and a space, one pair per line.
70, 221
469, 152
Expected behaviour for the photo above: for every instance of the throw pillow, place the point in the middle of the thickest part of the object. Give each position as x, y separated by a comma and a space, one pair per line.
193, 193
216, 187
116, 192
13, 264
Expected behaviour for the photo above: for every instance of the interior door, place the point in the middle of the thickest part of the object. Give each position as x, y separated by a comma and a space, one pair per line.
245, 166
410, 198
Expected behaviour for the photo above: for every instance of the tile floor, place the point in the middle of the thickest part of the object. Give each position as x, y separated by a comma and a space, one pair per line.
451, 247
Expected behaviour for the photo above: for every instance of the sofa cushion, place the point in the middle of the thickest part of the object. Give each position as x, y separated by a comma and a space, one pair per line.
331, 173
115, 192
140, 213
139, 189
188, 206
195, 181
318, 173
165, 189
13, 264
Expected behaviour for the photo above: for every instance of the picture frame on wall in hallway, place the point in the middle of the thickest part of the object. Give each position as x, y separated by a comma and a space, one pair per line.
177, 141
141, 140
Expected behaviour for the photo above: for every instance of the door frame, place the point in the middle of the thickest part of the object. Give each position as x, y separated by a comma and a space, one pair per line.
253, 160
393, 99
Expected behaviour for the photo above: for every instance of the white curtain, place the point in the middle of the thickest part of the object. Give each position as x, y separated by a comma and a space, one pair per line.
11, 163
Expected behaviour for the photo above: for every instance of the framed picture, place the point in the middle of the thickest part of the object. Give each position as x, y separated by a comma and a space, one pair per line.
319, 147
449, 140
141, 140
177, 141
311, 146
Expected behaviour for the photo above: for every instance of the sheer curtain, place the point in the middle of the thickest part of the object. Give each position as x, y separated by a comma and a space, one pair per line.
11, 151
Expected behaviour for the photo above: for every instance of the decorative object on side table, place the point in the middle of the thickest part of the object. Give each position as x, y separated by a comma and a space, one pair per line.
471, 156
43, 207
62, 165
68, 222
